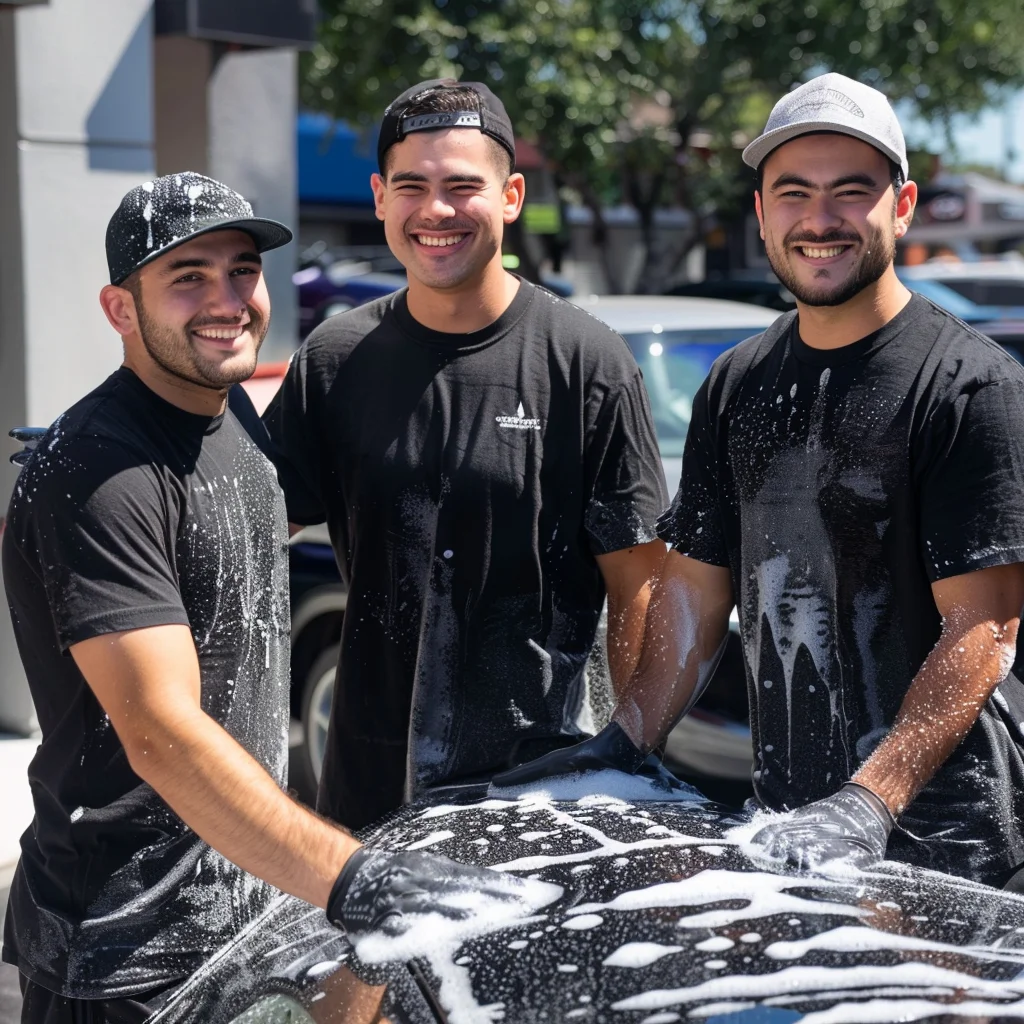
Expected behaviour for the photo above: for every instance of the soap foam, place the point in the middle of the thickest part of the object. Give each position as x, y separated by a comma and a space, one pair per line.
794, 980
764, 895
849, 939
639, 954
607, 782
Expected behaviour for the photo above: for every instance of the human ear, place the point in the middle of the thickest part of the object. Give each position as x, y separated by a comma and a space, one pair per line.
759, 211
119, 308
379, 187
906, 203
514, 195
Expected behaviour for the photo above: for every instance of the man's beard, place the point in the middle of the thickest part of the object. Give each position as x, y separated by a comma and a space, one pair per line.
879, 252
174, 351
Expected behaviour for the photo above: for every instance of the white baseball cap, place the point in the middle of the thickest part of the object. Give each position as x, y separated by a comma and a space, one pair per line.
832, 103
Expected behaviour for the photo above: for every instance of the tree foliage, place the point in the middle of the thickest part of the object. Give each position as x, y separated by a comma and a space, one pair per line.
649, 102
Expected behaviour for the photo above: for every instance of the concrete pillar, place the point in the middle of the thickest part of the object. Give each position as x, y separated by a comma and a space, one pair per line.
76, 132
253, 100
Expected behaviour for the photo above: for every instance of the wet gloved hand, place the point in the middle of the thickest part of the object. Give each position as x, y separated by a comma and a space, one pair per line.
611, 748
852, 825
392, 892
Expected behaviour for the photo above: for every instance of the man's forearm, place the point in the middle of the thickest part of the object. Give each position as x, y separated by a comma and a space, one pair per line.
628, 575
943, 702
226, 797
685, 633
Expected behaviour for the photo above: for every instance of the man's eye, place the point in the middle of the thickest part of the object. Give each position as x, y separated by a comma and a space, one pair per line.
187, 279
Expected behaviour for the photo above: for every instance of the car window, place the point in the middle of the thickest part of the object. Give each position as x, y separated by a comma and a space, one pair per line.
674, 365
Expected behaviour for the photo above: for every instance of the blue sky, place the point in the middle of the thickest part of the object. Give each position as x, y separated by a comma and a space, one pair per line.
980, 138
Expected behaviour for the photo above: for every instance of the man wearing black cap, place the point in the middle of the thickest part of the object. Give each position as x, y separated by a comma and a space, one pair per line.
853, 482
484, 456
145, 563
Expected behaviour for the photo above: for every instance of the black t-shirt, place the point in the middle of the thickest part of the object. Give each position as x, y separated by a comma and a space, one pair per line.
837, 486
467, 481
134, 513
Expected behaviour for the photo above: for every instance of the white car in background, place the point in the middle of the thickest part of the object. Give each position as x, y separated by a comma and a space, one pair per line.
675, 340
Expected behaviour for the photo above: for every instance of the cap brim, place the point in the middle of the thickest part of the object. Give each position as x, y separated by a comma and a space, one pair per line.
755, 154
267, 234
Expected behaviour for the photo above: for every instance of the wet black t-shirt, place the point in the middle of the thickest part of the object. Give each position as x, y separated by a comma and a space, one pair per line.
134, 513
467, 481
837, 486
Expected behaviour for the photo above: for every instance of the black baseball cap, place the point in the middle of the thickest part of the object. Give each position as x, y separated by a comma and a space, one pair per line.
161, 214
491, 118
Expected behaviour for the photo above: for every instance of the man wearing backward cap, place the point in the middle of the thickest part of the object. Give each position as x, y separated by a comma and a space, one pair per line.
146, 569
484, 456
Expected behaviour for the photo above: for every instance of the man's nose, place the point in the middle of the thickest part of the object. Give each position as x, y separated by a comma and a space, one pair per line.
439, 205
822, 214
224, 297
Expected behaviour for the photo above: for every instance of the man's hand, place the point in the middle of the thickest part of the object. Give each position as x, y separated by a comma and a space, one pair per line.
852, 825
610, 749
390, 892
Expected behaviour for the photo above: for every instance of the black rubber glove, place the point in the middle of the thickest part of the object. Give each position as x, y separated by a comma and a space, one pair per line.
610, 748
386, 892
852, 825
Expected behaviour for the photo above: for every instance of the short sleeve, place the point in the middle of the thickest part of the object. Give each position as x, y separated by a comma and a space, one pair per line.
295, 450
693, 523
624, 472
972, 489
101, 531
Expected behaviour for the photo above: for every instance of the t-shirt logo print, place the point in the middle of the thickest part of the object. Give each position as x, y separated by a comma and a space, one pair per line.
518, 422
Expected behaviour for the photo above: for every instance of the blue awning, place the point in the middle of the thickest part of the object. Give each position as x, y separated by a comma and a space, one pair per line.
334, 166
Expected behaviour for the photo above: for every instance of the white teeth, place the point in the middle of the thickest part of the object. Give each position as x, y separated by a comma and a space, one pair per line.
224, 333
822, 254
450, 240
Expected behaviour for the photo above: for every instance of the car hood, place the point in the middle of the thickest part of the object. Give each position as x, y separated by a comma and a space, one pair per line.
664, 915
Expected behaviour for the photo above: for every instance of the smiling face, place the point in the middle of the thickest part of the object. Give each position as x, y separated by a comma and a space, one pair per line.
203, 309
445, 201
829, 218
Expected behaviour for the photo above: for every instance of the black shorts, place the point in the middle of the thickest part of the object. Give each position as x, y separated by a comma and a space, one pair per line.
41, 1006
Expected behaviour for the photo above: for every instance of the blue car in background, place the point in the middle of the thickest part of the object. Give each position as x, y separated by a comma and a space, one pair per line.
957, 304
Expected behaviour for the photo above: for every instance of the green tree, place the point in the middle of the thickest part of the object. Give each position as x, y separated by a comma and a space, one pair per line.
650, 102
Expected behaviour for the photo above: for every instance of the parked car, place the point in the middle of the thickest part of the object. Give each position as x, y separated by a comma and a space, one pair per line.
675, 340
952, 301
758, 291
998, 283
340, 285
665, 915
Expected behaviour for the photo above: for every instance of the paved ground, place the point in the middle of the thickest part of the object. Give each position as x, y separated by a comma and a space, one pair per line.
15, 815
10, 993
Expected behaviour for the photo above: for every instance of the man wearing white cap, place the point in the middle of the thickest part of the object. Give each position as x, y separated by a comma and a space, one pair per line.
853, 483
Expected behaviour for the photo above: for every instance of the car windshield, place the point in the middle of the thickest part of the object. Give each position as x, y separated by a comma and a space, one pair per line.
674, 365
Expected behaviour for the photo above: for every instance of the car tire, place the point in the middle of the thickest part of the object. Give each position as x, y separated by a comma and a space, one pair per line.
315, 712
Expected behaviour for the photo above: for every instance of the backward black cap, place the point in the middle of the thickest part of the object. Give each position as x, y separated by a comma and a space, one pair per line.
491, 119
161, 214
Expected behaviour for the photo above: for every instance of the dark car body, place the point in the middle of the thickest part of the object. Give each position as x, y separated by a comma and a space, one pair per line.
664, 916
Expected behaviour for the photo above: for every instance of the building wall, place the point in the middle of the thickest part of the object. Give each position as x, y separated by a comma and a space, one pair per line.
76, 132
252, 109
